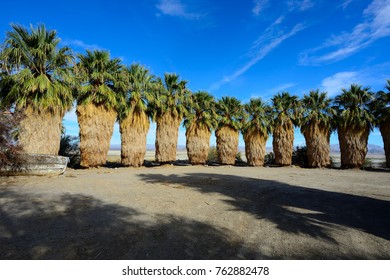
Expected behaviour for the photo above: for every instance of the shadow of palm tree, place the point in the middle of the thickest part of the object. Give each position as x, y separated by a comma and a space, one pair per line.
293, 209
82, 227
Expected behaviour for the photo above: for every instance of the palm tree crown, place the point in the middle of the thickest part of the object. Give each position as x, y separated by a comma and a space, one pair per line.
38, 72
99, 76
316, 109
169, 96
285, 107
138, 90
353, 108
257, 117
230, 113
201, 110
381, 105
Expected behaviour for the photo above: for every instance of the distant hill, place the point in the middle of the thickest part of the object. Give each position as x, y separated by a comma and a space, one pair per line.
372, 149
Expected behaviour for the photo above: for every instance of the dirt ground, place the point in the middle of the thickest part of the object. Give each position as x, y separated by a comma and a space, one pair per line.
197, 212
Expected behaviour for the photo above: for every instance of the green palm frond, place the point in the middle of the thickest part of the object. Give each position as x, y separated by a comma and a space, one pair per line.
201, 110
229, 112
353, 108
38, 70
257, 117
381, 105
285, 107
316, 109
99, 77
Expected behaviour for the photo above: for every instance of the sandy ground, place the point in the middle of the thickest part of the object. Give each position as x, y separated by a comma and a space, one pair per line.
197, 212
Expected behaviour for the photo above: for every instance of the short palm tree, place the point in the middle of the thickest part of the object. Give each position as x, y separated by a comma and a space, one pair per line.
133, 115
168, 109
230, 113
199, 122
354, 123
256, 128
37, 79
97, 103
316, 125
381, 109
285, 113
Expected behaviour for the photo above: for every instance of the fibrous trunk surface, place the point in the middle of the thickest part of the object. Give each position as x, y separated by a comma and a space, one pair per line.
134, 129
282, 142
227, 145
40, 131
385, 131
255, 148
353, 146
198, 143
96, 124
318, 145
166, 137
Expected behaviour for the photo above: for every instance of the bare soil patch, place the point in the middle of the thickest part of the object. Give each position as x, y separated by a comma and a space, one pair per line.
197, 212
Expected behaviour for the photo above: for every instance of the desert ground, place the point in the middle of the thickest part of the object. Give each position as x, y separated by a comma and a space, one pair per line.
197, 212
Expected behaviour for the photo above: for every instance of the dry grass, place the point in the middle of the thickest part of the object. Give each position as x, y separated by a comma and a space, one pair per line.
134, 130
40, 132
227, 144
255, 148
96, 124
166, 137
283, 141
353, 146
198, 143
385, 131
318, 145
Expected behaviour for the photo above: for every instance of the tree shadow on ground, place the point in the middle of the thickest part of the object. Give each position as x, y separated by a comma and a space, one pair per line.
293, 209
82, 227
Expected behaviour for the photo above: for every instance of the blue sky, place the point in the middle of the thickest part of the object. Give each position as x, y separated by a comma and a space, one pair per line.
243, 48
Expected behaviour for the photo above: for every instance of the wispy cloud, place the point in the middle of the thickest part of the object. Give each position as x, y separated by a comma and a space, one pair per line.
301, 5
260, 5
81, 44
176, 8
345, 4
376, 25
333, 84
268, 41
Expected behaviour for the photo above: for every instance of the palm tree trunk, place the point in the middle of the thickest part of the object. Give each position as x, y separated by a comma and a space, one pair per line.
353, 146
134, 130
255, 148
40, 131
318, 146
96, 124
198, 143
385, 131
283, 142
166, 137
227, 145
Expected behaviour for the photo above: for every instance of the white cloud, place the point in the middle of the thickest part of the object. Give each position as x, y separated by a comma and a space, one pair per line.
176, 8
259, 6
81, 44
375, 26
268, 41
333, 84
345, 4
301, 5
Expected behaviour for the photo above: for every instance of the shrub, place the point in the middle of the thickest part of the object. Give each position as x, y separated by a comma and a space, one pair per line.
9, 146
213, 154
300, 156
69, 147
269, 158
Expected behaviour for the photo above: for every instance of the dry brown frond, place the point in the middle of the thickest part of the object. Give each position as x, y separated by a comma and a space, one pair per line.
197, 143
166, 137
96, 124
282, 142
227, 144
255, 147
134, 130
353, 146
318, 145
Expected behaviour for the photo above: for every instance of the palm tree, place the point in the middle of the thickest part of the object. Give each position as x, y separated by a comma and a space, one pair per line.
168, 110
354, 121
37, 80
256, 128
285, 111
381, 109
199, 122
230, 113
133, 115
316, 125
97, 103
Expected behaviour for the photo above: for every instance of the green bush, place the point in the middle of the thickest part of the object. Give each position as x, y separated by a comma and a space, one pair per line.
69, 147
269, 158
300, 156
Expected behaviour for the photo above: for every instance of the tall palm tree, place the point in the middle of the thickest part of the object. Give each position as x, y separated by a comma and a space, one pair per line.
256, 128
285, 113
354, 122
37, 79
199, 122
381, 109
97, 103
168, 109
230, 113
316, 125
133, 115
